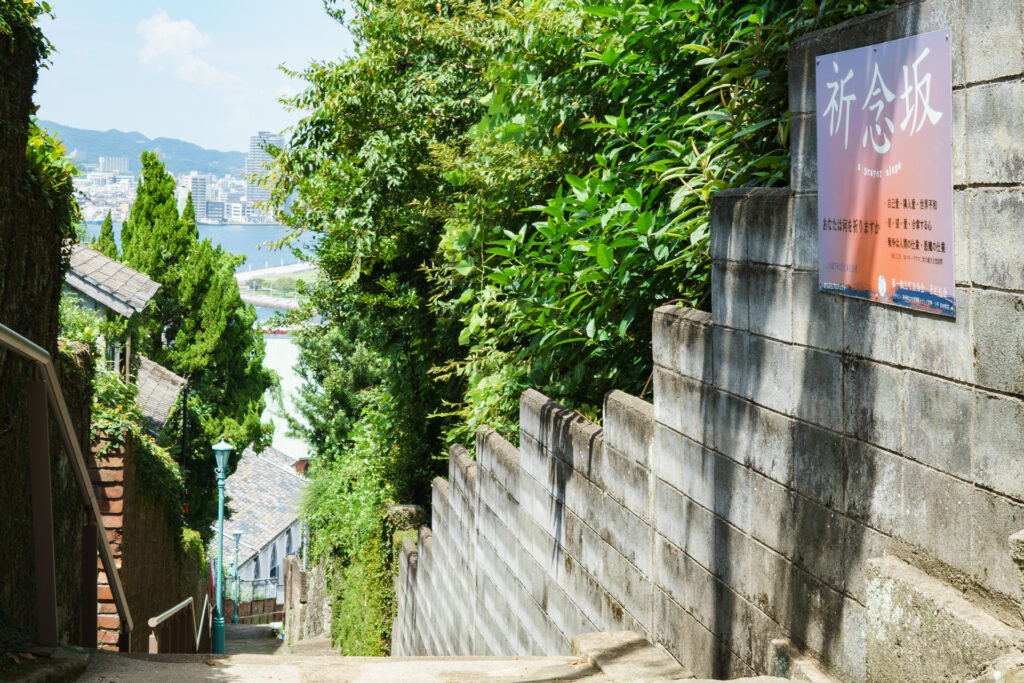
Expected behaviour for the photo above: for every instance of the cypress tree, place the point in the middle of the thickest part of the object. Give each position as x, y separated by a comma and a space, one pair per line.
197, 326
105, 244
146, 237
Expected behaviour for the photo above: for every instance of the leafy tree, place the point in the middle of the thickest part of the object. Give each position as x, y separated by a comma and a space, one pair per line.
197, 326
105, 244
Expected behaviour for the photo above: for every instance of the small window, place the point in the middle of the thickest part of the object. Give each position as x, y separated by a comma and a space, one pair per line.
273, 562
288, 542
256, 569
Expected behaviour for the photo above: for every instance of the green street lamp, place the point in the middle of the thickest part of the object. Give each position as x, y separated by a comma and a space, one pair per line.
222, 451
234, 611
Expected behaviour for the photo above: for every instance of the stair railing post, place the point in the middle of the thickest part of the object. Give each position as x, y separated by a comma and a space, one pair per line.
90, 558
42, 513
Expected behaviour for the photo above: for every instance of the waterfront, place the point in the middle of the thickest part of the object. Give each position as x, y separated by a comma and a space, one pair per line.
250, 240
282, 353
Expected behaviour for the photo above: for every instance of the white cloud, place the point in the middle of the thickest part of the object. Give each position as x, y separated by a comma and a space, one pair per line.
174, 46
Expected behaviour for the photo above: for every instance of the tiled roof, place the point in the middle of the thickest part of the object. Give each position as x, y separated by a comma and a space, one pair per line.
280, 458
264, 500
158, 390
113, 284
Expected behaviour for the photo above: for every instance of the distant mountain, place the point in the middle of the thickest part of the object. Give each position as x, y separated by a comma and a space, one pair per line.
87, 146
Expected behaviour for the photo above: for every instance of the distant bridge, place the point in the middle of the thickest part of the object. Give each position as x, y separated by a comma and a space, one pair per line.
274, 271
278, 302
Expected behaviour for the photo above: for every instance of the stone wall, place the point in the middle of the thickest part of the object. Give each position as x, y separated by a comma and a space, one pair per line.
155, 572
32, 265
307, 606
794, 435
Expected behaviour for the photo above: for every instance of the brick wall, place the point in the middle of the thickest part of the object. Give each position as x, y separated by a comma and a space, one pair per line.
793, 434
155, 573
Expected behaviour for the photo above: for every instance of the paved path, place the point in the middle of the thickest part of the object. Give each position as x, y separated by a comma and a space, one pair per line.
251, 639
274, 271
109, 667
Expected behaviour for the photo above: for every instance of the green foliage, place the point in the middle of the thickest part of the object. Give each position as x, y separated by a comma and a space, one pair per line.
49, 170
153, 239
345, 498
197, 326
18, 20
80, 324
363, 608
105, 244
192, 548
116, 420
503, 193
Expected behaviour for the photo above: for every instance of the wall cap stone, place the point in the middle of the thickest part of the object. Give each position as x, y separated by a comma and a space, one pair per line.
627, 656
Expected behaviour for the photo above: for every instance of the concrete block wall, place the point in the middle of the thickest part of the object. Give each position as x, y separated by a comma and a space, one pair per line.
529, 547
794, 435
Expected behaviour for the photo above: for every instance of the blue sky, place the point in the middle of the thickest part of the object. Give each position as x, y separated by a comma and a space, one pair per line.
202, 71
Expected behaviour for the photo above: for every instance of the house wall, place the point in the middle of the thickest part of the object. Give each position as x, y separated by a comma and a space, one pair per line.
280, 542
155, 572
793, 436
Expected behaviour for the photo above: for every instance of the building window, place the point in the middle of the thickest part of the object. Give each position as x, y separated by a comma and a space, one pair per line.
288, 542
273, 562
256, 569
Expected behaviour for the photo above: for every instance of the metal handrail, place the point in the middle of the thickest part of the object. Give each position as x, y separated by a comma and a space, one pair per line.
202, 620
41, 357
198, 629
160, 618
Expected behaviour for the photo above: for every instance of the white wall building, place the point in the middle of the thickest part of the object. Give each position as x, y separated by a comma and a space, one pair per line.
114, 165
263, 493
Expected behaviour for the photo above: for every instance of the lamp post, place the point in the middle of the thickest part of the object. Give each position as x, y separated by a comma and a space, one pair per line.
234, 612
222, 451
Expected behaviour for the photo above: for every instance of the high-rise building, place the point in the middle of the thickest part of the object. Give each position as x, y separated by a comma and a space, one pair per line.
254, 164
197, 186
113, 164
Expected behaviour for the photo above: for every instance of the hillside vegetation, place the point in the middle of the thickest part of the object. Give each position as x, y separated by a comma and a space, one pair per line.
179, 156
504, 192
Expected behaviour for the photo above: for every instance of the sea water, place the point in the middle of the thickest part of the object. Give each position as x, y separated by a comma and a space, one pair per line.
252, 240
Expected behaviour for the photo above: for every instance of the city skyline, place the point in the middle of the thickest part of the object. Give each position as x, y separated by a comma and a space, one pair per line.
201, 72
109, 186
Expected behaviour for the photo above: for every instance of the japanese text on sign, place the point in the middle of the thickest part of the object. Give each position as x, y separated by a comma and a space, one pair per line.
885, 173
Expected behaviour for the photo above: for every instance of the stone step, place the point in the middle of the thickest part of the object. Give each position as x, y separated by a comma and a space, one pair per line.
628, 657
617, 657
922, 629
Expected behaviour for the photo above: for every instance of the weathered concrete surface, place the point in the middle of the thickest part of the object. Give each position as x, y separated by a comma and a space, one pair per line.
1009, 669
106, 668
627, 657
791, 664
920, 629
50, 665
